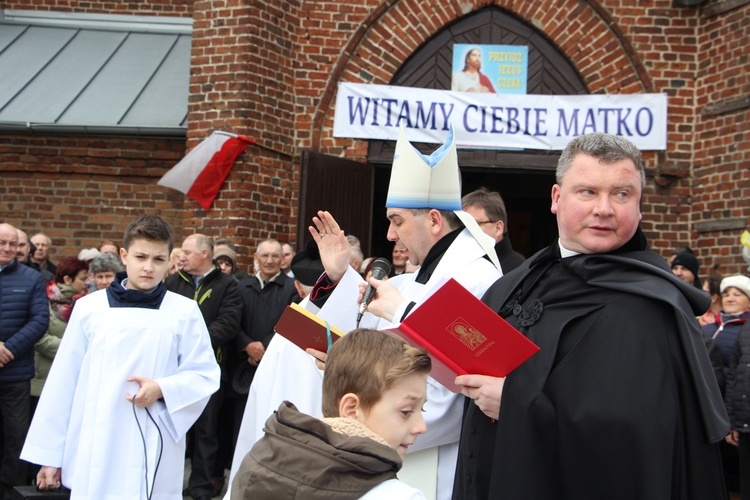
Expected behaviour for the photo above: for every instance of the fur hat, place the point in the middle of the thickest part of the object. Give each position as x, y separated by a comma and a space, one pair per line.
227, 253
740, 282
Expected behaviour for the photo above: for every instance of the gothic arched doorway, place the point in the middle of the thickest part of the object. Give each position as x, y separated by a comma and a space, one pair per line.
523, 178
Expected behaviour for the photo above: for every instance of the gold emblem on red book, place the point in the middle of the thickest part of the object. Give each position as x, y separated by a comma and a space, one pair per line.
467, 334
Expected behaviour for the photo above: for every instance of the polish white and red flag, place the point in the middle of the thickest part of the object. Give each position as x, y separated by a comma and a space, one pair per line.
202, 171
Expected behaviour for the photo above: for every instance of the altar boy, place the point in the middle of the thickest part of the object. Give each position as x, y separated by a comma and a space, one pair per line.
133, 372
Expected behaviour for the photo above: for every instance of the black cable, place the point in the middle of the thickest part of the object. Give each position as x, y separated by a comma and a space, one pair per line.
145, 449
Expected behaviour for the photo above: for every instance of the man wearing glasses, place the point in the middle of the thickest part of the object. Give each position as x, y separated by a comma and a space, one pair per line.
488, 209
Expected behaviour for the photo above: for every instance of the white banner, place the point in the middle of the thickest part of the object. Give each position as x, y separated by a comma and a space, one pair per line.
496, 120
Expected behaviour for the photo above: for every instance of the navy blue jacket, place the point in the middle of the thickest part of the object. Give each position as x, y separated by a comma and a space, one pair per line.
738, 381
24, 317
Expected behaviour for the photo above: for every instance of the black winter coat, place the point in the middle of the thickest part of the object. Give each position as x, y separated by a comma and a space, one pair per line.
218, 298
262, 308
737, 393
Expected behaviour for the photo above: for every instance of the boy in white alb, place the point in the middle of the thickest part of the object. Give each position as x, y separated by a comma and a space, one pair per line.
133, 372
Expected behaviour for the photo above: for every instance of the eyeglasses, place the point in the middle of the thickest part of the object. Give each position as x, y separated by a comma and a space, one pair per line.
480, 222
265, 256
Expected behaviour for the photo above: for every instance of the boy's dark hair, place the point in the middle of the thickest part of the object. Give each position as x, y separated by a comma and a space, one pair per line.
367, 363
70, 266
149, 227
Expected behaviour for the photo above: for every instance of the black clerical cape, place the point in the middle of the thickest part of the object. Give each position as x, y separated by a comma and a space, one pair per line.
619, 403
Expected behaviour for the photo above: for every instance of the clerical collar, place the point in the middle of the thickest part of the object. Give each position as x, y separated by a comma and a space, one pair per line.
636, 242
434, 255
564, 252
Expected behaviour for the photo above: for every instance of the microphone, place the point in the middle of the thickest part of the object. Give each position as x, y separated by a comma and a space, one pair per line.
380, 269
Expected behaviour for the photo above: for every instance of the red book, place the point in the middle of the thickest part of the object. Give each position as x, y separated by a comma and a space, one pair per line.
464, 336
305, 329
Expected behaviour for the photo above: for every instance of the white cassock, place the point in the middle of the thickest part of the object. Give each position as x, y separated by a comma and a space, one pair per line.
288, 373
83, 422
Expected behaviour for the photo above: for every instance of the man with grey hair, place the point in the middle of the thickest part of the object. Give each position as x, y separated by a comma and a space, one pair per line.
264, 298
620, 401
24, 317
42, 244
219, 300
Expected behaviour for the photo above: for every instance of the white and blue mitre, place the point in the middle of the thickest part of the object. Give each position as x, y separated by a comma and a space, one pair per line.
421, 181
434, 181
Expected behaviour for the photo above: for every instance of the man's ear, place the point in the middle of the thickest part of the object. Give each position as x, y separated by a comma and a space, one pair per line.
555, 198
299, 287
123, 256
349, 407
436, 221
499, 229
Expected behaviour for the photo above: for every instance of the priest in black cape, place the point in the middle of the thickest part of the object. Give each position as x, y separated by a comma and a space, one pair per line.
620, 402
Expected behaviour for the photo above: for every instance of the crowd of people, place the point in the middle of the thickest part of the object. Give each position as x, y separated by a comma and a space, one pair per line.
143, 355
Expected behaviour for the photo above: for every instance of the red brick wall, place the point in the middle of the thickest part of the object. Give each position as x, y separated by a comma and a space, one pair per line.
177, 8
721, 183
618, 46
83, 190
270, 69
242, 81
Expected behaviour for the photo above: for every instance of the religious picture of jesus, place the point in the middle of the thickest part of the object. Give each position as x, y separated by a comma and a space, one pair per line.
471, 78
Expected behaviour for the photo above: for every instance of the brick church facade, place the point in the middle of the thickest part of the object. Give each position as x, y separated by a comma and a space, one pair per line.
270, 69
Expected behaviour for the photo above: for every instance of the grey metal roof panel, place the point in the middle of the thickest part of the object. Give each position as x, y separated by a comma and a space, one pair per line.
61, 81
8, 35
107, 75
163, 100
21, 62
120, 81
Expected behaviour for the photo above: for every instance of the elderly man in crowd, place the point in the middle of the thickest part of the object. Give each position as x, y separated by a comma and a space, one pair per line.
43, 244
24, 316
218, 298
